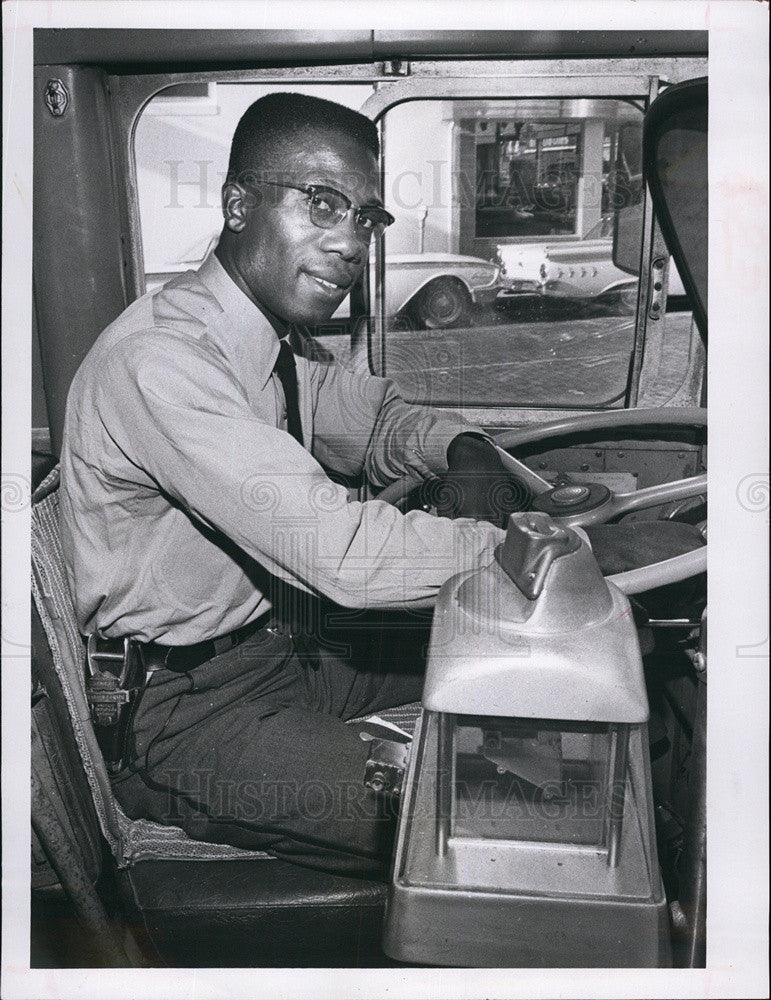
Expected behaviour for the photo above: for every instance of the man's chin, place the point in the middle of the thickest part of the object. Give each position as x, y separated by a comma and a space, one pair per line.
302, 314
314, 317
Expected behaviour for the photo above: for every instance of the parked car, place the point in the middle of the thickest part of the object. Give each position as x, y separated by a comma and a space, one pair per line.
574, 269
435, 290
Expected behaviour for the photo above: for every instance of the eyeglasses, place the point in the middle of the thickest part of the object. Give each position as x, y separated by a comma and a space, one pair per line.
328, 207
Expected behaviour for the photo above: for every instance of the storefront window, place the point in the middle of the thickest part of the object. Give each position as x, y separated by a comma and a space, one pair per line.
527, 177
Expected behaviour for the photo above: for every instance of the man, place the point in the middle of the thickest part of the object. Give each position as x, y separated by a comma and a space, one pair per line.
195, 488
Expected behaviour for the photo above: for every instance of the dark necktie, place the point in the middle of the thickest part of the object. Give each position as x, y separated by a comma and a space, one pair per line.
286, 370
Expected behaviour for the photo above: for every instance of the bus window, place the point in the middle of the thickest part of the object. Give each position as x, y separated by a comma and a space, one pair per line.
528, 186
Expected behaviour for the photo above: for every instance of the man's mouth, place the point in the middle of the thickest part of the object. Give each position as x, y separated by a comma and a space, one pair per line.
329, 286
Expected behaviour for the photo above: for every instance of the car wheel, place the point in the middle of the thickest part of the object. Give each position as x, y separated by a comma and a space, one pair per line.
443, 303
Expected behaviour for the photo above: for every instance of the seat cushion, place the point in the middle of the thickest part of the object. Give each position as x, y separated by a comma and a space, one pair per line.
245, 914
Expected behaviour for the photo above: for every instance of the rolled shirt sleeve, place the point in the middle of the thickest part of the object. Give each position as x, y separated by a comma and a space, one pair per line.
361, 423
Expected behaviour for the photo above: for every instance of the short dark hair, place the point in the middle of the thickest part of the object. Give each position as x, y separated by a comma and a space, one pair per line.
271, 122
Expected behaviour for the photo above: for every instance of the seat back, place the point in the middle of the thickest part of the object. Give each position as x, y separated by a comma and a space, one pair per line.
129, 840
57, 771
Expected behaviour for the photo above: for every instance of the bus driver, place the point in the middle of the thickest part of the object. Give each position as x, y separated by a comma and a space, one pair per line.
194, 485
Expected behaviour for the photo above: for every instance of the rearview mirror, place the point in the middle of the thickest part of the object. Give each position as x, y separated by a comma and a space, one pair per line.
627, 237
675, 163
628, 199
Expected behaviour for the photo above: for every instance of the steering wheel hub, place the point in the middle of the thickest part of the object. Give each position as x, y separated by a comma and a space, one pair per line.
571, 498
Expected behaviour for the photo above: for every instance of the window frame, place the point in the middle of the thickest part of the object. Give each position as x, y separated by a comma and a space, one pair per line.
615, 84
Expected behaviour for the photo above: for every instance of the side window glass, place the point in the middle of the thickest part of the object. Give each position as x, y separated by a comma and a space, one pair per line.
500, 288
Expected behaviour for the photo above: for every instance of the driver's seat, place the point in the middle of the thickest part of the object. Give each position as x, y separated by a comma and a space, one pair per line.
189, 903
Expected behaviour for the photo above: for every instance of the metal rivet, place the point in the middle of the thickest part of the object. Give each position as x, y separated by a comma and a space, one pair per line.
542, 465
56, 97
621, 454
598, 454
585, 467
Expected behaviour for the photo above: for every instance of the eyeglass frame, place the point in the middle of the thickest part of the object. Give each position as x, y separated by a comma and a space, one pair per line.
310, 189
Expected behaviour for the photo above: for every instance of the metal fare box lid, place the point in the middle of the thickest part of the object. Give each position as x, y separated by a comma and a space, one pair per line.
539, 633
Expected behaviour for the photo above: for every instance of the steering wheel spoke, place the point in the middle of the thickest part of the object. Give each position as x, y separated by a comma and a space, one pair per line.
652, 496
535, 483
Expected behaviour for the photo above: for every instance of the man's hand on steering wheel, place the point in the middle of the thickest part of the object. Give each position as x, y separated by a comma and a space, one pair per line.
477, 484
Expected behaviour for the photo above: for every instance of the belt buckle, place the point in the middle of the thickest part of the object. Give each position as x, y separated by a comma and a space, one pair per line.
114, 678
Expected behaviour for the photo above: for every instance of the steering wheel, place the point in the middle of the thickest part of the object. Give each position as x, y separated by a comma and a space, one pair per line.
581, 505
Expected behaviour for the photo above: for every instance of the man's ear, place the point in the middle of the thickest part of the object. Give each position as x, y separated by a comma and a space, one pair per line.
236, 202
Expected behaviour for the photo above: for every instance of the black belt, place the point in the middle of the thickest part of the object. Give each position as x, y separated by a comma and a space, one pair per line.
183, 658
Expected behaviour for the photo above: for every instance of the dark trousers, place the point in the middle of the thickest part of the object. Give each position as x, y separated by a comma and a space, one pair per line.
251, 748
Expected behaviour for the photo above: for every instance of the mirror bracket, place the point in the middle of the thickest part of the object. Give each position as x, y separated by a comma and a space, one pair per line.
656, 297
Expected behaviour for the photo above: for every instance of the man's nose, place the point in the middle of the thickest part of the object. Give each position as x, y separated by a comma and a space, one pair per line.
344, 240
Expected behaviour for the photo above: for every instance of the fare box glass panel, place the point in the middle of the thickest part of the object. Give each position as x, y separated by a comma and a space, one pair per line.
531, 780
525, 805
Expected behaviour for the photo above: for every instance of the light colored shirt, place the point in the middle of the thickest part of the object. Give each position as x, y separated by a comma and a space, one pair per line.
183, 495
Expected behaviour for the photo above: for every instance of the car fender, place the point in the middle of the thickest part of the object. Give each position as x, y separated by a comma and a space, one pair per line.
398, 294
619, 286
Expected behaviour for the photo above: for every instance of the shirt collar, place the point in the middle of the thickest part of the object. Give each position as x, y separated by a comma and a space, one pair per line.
242, 331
